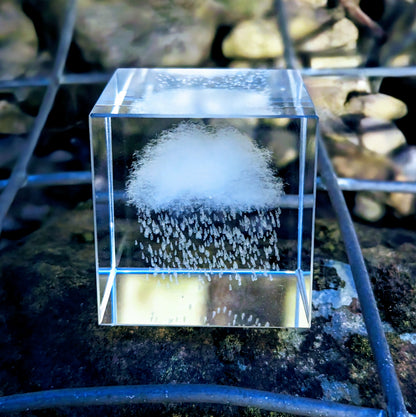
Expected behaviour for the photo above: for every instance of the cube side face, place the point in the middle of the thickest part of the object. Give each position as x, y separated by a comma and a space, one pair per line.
203, 218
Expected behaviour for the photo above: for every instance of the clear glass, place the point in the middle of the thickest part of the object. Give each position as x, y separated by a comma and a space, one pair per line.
204, 195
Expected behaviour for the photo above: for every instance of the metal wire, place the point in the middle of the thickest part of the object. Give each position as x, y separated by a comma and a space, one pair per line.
101, 78
68, 79
352, 184
54, 178
394, 72
19, 173
345, 184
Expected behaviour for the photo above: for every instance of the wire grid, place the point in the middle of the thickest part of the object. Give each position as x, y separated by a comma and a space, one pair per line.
214, 393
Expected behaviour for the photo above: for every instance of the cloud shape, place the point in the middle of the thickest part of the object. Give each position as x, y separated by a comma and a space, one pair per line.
193, 165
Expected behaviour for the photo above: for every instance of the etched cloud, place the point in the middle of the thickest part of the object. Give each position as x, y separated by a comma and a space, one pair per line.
193, 165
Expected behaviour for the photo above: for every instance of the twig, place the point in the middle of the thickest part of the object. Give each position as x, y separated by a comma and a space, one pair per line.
357, 14
19, 174
392, 13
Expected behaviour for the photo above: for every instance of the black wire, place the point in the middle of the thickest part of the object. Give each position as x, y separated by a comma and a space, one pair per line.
204, 394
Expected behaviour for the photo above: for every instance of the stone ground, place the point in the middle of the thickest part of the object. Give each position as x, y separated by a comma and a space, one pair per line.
49, 337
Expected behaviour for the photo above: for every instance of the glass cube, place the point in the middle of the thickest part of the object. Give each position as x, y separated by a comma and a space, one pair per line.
204, 193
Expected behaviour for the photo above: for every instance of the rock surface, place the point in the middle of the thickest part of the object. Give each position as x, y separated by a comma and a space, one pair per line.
379, 136
362, 139
369, 207
331, 93
18, 41
48, 306
377, 106
254, 39
343, 34
403, 203
260, 39
354, 164
118, 34
13, 120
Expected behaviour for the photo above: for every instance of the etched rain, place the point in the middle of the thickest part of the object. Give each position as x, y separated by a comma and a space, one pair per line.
207, 199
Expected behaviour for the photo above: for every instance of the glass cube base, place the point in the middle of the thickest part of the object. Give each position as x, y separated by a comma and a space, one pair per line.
203, 299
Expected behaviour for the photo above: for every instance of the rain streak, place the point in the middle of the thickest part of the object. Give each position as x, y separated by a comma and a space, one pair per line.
207, 199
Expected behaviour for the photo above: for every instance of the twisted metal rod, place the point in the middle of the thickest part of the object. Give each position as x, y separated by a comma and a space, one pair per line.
19, 173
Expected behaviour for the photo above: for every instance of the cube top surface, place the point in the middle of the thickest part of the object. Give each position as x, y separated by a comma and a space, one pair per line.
225, 93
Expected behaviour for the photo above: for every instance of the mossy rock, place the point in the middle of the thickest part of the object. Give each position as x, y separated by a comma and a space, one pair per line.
50, 337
